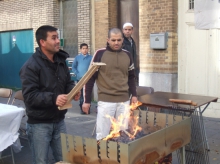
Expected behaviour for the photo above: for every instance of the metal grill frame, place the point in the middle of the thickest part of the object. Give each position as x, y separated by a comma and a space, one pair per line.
174, 133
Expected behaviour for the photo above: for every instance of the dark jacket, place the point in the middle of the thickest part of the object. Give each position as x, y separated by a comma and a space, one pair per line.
115, 80
42, 81
132, 49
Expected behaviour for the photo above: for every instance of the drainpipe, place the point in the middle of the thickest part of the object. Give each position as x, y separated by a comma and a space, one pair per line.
61, 24
92, 21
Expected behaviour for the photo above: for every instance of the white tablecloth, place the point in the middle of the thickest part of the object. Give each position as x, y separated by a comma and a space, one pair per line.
10, 120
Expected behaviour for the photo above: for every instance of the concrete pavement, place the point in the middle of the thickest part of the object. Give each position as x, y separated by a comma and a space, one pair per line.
83, 125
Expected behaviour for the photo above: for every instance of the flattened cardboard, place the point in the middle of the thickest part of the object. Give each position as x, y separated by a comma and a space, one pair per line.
93, 68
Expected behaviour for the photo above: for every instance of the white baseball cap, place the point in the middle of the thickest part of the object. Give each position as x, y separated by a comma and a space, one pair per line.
127, 24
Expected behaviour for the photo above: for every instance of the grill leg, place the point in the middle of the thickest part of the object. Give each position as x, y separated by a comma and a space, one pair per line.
12, 155
203, 130
94, 130
183, 155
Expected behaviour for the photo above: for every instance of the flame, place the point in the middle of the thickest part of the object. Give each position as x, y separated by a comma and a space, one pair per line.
118, 124
134, 106
134, 125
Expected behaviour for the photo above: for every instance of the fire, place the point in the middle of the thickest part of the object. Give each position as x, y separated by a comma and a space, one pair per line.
119, 125
134, 106
134, 125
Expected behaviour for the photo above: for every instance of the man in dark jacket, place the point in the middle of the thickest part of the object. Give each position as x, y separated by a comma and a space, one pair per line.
129, 45
45, 83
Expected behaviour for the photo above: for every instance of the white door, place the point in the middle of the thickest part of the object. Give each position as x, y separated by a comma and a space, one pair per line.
198, 57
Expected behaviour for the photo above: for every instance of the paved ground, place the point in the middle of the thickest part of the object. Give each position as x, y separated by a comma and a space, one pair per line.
82, 125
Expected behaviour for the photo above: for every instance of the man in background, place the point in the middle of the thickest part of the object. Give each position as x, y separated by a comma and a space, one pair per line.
80, 67
129, 45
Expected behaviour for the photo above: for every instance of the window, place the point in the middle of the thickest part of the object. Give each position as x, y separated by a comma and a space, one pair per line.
191, 4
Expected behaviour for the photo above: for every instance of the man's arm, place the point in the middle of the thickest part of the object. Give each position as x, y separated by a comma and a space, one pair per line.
132, 86
131, 80
131, 76
88, 87
87, 90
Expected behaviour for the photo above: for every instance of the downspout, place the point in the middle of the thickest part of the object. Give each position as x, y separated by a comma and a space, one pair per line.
61, 22
92, 22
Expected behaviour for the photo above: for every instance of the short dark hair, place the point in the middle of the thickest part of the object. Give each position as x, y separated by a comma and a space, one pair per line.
41, 32
115, 31
83, 44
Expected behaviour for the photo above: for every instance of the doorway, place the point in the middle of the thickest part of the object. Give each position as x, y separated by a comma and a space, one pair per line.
129, 12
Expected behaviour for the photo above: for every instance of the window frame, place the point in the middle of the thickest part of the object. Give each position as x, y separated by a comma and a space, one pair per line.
191, 4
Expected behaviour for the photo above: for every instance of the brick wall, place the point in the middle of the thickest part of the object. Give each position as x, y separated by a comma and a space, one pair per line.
84, 23
23, 14
155, 17
113, 13
101, 23
105, 18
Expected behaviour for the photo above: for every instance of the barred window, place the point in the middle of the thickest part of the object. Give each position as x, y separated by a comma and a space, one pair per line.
191, 4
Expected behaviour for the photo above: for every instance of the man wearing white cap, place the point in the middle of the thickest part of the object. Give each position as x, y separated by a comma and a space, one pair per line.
129, 45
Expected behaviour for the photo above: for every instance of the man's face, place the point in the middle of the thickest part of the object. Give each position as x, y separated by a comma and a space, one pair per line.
52, 42
128, 30
84, 50
115, 41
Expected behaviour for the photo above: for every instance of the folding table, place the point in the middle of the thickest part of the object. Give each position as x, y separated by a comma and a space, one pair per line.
10, 120
197, 150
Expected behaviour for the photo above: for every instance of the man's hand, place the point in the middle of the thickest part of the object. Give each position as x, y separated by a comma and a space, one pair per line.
85, 107
134, 103
61, 100
77, 96
134, 100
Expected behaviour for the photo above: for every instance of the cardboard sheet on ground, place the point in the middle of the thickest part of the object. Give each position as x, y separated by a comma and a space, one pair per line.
93, 68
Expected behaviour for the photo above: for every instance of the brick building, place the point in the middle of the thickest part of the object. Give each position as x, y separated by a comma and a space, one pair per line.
158, 68
89, 21
20, 15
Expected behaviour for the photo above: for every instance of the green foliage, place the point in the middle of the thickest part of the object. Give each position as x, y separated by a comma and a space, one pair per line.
13, 88
93, 101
